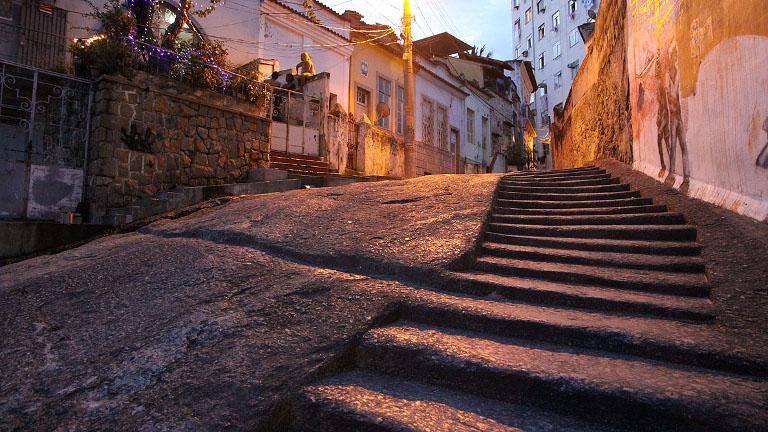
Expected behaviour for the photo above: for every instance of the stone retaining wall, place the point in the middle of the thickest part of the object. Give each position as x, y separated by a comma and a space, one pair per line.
150, 134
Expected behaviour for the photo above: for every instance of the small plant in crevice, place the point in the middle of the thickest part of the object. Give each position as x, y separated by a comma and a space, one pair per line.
137, 141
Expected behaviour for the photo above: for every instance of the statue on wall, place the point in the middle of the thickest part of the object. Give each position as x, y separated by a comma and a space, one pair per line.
304, 69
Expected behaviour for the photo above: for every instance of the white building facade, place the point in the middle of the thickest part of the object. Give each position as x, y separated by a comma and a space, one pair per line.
546, 33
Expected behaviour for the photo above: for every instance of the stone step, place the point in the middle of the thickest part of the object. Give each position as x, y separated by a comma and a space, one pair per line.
620, 219
556, 173
562, 183
617, 389
519, 196
298, 156
566, 189
360, 400
653, 338
684, 284
291, 167
542, 204
668, 263
613, 232
559, 178
582, 211
686, 248
537, 291
150, 206
562, 170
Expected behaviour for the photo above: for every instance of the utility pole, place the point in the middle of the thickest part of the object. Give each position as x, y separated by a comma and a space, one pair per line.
410, 94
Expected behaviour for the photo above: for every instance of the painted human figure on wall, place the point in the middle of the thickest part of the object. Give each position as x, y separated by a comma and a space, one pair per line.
670, 117
762, 158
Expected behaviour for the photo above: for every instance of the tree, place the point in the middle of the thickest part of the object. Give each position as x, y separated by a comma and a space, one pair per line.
143, 12
168, 40
479, 52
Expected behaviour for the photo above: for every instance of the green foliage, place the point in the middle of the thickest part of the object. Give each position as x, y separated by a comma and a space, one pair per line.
193, 58
106, 53
517, 154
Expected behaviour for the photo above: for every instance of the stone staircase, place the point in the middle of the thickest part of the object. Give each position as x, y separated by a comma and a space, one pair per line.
587, 310
297, 163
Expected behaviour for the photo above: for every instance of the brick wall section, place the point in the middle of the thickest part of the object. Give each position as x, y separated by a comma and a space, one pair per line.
432, 160
202, 138
595, 121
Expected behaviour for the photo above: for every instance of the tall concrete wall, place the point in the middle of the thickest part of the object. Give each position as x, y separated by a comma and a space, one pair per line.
699, 73
691, 77
595, 121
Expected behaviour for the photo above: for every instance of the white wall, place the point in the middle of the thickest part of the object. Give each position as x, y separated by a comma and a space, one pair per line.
711, 80
427, 85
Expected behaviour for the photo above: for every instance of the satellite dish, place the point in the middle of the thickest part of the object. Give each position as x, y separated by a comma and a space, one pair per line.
591, 13
382, 110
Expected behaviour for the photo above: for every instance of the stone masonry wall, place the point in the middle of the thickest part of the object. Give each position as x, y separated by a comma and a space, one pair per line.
150, 134
595, 121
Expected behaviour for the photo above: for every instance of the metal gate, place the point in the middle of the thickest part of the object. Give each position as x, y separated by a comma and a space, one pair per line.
44, 131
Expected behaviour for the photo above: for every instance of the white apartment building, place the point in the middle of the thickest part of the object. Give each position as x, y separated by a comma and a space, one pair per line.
546, 33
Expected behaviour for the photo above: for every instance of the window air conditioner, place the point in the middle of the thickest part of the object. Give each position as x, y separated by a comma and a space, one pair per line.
525, 53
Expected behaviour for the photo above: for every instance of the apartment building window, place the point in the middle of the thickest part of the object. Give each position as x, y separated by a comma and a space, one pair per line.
400, 109
470, 126
529, 43
556, 20
541, 61
541, 32
385, 96
517, 29
574, 69
517, 52
571, 7
573, 37
364, 99
556, 50
516, 3
442, 127
540, 6
542, 89
528, 16
558, 79
428, 121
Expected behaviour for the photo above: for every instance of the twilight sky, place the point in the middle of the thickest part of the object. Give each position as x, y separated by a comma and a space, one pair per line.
485, 22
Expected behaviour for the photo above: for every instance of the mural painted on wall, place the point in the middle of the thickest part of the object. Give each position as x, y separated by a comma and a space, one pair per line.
698, 87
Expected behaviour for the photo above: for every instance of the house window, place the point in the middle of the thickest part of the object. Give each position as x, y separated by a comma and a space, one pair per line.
442, 127
385, 96
541, 32
364, 99
556, 20
400, 109
485, 132
517, 29
571, 7
573, 37
529, 43
428, 122
541, 61
558, 79
574, 69
556, 50
470, 126
528, 16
